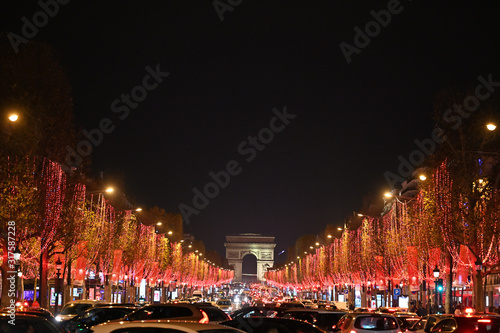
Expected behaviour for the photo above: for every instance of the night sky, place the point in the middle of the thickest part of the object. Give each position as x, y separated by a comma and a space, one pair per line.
347, 122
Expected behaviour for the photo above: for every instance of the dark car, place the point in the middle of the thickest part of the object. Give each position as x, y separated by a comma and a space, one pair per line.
426, 323
250, 311
324, 319
467, 324
292, 305
180, 311
27, 323
95, 316
406, 320
275, 325
215, 315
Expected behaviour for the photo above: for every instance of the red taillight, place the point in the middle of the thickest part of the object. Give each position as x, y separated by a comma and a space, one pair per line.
484, 320
203, 320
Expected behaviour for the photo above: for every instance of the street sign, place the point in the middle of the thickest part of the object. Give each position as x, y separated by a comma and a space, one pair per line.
396, 292
79, 290
346, 291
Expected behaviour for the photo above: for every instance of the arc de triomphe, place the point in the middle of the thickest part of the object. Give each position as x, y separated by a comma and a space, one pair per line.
238, 246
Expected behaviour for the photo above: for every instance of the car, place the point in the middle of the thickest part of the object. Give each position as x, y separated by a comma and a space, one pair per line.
326, 305
225, 305
363, 322
391, 310
180, 311
324, 319
309, 304
425, 324
406, 320
76, 308
363, 309
291, 305
161, 326
248, 312
467, 324
21, 322
95, 316
215, 315
274, 325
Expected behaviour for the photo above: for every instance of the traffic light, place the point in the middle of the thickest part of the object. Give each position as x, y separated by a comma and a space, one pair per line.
439, 285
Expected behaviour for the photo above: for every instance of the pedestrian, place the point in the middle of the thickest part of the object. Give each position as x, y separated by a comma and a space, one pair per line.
421, 311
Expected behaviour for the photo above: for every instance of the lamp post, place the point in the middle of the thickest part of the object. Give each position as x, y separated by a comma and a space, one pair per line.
125, 289
436, 277
17, 259
58, 282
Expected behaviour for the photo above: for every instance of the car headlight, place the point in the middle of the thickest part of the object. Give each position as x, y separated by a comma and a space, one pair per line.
58, 318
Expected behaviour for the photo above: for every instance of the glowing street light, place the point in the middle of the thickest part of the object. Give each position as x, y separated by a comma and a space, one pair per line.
491, 126
138, 209
159, 223
170, 232
422, 177
110, 190
388, 195
13, 117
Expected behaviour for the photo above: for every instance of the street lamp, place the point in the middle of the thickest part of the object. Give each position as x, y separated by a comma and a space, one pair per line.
58, 282
436, 272
436, 283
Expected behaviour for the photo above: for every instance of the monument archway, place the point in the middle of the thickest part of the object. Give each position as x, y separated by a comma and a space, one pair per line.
238, 246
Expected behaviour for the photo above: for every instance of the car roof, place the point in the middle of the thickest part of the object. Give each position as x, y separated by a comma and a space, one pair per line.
161, 323
314, 310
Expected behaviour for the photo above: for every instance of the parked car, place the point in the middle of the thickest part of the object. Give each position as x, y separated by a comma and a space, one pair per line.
180, 311
363, 322
76, 308
27, 323
275, 325
95, 316
161, 326
324, 319
467, 324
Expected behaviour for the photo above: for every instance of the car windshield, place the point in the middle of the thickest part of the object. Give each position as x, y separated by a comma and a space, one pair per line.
75, 309
224, 303
376, 323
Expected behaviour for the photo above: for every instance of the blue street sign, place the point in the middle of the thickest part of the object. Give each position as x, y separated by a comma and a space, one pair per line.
396, 292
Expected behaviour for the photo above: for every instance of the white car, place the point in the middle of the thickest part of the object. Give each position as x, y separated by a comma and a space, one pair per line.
363, 322
159, 326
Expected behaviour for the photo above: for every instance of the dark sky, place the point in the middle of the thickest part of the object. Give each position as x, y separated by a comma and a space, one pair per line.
225, 78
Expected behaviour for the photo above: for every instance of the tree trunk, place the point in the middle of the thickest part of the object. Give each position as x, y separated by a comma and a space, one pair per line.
449, 288
44, 301
478, 293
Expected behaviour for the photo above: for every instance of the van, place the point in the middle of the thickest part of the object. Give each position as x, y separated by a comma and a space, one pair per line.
198, 294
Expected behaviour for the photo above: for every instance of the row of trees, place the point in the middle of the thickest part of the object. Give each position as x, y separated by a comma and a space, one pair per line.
450, 221
61, 215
